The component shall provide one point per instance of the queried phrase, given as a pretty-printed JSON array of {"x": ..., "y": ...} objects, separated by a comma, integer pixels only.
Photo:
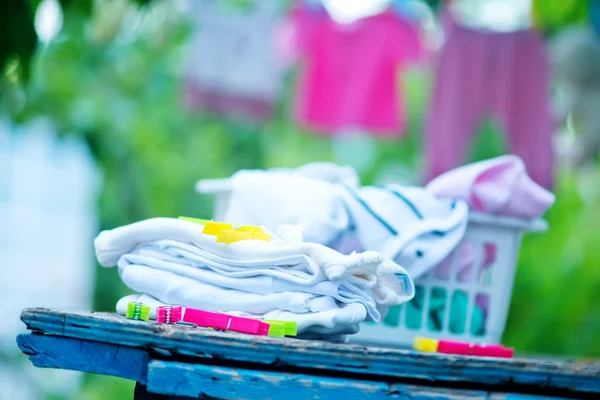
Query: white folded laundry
[
  {"x": 346, "y": 314},
  {"x": 148, "y": 256},
  {"x": 173, "y": 262},
  {"x": 173, "y": 288},
  {"x": 342, "y": 320},
  {"x": 302, "y": 263}
]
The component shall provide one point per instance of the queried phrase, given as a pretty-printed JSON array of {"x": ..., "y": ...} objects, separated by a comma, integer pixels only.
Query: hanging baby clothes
[
  {"x": 232, "y": 69},
  {"x": 349, "y": 71},
  {"x": 502, "y": 73}
]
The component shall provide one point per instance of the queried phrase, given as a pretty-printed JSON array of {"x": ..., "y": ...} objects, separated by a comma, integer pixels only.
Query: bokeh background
[{"x": 95, "y": 133}]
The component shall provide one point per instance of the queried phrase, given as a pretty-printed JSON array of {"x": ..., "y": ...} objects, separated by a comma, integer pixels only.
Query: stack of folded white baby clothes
[{"x": 173, "y": 261}]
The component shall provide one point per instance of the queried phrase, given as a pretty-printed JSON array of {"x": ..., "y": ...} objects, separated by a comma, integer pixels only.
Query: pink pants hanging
[{"x": 480, "y": 74}]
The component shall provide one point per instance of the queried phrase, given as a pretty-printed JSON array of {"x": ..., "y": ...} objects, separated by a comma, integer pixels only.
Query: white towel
[
  {"x": 341, "y": 320},
  {"x": 173, "y": 288},
  {"x": 302, "y": 263},
  {"x": 175, "y": 263},
  {"x": 148, "y": 257}
]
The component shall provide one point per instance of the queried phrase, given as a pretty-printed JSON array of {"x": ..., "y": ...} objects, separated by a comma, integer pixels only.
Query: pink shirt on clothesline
[{"x": 350, "y": 71}]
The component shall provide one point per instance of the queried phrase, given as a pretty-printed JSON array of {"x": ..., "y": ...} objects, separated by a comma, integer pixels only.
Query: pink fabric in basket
[
  {"x": 498, "y": 186},
  {"x": 465, "y": 258}
]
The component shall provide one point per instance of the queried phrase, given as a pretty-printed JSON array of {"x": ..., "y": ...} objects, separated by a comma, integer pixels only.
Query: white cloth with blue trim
[{"x": 407, "y": 224}]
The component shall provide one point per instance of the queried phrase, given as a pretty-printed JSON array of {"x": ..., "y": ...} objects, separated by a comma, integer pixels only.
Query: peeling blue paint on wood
[
  {"x": 176, "y": 378},
  {"x": 82, "y": 355},
  {"x": 387, "y": 363}
]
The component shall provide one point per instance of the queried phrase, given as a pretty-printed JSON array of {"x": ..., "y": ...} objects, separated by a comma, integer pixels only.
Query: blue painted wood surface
[
  {"x": 177, "y": 378},
  {"x": 389, "y": 364},
  {"x": 82, "y": 355},
  {"x": 196, "y": 380}
]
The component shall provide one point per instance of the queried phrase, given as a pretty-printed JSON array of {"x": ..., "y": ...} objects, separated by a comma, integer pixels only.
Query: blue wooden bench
[{"x": 179, "y": 362}]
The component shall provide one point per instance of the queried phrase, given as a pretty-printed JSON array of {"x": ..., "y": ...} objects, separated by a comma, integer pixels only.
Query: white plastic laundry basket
[{"x": 466, "y": 297}]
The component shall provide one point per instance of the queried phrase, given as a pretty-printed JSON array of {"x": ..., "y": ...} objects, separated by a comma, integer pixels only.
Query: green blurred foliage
[
  {"x": 100, "y": 387},
  {"x": 556, "y": 299},
  {"x": 18, "y": 34},
  {"x": 19, "y": 38},
  {"x": 117, "y": 83}
]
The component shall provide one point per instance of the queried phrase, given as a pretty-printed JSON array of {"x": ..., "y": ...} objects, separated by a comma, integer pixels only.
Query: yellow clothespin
[
  {"x": 425, "y": 344},
  {"x": 230, "y": 233},
  {"x": 228, "y": 236},
  {"x": 214, "y": 228},
  {"x": 259, "y": 234}
]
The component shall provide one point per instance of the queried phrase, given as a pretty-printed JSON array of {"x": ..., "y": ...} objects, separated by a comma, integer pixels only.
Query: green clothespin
[
  {"x": 290, "y": 328},
  {"x": 276, "y": 328},
  {"x": 138, "y": 311}
]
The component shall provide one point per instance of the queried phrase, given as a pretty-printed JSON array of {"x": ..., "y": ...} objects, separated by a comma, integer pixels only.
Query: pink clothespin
[
  {"x": 472, "y": 349},
  {"x": 168, "y": 314},
  {"x": 226, "y": 322},
  {"x": 462, "y": 348}
]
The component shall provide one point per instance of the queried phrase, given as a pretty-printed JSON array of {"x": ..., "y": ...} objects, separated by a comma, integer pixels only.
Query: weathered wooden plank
[
  {"x": 196, "y": 380},
  {"x": 383, "y": 364},
  {"x": 87, "y": 356}
]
